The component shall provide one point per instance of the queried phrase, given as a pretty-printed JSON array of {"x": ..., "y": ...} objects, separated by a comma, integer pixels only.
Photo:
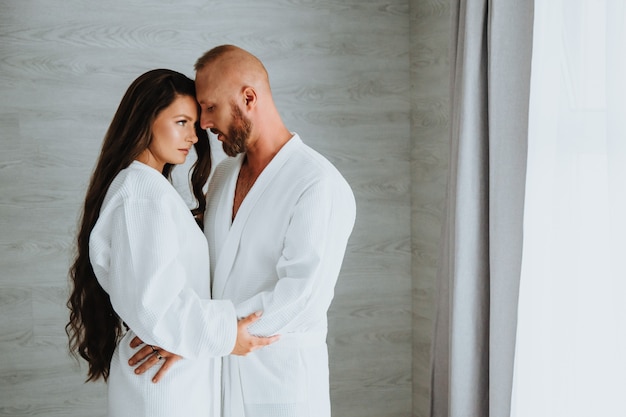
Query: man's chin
[{"x": 229, "y": 151}]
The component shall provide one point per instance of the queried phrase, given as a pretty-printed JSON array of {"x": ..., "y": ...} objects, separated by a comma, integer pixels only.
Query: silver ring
[{"x": 156, "y": 352}]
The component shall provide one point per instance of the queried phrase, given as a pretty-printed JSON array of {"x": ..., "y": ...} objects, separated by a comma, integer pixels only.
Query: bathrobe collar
[{"x": 229, "y": 232}]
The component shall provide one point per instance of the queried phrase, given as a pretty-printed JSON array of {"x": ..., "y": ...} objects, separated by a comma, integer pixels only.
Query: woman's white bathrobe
[
  {"x": 152, "y": 259},
  {"x": 281, "y": 255}
]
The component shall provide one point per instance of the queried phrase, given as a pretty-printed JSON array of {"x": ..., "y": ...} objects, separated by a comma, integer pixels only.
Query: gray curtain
[{"x": 475, "y": 328}]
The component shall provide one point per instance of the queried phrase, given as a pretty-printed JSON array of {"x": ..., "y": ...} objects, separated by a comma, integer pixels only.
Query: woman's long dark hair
[{"x": 94, "y": 328}]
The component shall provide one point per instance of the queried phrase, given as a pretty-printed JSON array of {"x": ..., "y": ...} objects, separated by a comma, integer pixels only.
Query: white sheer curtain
[{"x": 571, "y": 336}]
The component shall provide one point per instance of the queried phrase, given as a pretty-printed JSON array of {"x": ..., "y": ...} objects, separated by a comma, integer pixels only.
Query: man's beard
[{"x": 238, "y": 133}]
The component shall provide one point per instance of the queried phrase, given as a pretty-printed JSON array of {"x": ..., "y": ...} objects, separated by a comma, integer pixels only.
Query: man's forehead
[
  {"x": 213, "y": 87},
  {"x": 204, "y": 88},
  {"x": 201, "y": 80}
]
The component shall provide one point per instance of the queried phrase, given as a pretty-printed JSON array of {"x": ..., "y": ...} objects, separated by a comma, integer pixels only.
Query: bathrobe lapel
[{"x": 229, "y": 241}]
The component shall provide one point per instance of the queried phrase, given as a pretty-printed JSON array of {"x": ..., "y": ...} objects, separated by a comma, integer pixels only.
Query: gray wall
[
  {"x": 430, "y": 37},
  {"x": 363, "y": 82}
]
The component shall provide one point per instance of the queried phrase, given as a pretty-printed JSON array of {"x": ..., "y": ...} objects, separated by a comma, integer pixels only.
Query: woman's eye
[{"x": 182, "y": 122}]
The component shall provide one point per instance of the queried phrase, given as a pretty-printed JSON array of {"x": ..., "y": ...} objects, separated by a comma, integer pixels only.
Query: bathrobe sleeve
[
  {"x": 135, "y": 250},
  {"x": 313, "y": 250}
]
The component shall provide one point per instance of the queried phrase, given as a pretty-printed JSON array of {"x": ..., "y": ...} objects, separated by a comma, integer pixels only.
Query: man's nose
[{"x": 205, "y": 122}]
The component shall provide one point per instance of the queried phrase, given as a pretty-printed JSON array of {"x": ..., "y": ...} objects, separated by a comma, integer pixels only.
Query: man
[{"x": 278, "y": 219}]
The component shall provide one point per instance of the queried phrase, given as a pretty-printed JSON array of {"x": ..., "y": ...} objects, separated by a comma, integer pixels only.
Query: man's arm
[
  {"x": 152, "y": 355},
  {"x": 313, "y": 249}
]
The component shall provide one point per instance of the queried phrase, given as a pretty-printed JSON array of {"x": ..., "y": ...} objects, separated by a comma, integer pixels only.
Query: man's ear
[{"x": 249, "y": 95}]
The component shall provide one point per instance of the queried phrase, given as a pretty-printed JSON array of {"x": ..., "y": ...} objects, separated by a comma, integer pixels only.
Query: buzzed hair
[
  {"x": 231, "y": 54},
  {"x": 212, "y": 55}
]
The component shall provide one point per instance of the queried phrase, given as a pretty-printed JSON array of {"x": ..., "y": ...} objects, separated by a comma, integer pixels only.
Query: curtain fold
[{"x": 474, "y": 340}]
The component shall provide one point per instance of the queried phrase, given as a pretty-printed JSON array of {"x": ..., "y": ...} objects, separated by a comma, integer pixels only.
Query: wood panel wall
[
  {"x": 341, "y": 73},
  {"x": 430, "y": 108}
]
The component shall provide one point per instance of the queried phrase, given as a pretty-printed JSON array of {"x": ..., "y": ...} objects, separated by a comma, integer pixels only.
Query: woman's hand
[{"x": 151, "y": 355}]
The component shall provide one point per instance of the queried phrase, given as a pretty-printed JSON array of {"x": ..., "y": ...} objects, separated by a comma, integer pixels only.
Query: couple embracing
[{"x": 221, "y": 310}]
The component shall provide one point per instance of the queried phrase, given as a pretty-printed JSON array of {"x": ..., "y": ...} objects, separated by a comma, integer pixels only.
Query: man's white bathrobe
[
  {"x": 152, "y": 259},
  {"x": 281, "y": 255}
]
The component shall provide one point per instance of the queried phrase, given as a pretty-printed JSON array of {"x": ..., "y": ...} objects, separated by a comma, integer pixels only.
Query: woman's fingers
[
  {"x": 169, "y": 360},
  {"x": 140, "y": 355}
]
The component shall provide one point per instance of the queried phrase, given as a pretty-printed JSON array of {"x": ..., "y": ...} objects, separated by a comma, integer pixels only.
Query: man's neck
[{"x": 261, "y": 153}]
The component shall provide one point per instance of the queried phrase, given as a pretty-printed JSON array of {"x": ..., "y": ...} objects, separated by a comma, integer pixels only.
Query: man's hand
[
  {"x": 152, "y": 355},
  {"x": 247, "y": 343}
]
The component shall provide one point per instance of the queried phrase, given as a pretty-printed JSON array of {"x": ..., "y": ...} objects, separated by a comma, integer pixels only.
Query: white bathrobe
[
  {"x": 281, "y": 255},
  {"x": 152, "y": 259}
]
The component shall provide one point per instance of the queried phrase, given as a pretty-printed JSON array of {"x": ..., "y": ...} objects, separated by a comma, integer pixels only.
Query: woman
[{"x": 142, "y": 266}]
